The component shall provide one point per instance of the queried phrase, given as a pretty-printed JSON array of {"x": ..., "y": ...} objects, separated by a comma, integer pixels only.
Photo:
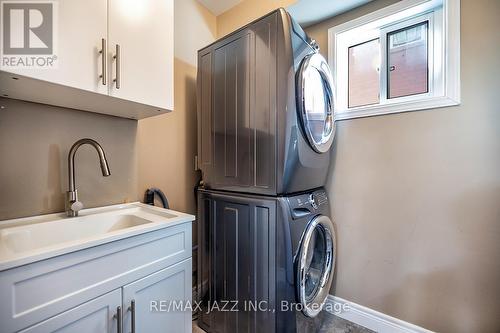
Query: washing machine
[
  {"x": 313, "y": 246},
  {"x": 267, "y": 263},
  {"x": 265, "y": 110}
]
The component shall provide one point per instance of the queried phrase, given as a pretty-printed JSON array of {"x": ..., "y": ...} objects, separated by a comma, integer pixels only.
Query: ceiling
[
  {"x": 218, "y": 7},
  {"x": 305, "y": 12},
  {"x": 309, "y": 12}
]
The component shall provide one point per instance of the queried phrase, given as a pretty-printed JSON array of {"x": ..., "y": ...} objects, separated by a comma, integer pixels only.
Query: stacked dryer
[{"x": 265, "y": 129}]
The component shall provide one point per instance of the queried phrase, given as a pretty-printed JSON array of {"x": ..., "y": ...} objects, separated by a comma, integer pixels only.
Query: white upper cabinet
[
  {"x": 142, "y": 69},
  {"x": 131, "y": 78},
  {"x": 82, "y": 24}
]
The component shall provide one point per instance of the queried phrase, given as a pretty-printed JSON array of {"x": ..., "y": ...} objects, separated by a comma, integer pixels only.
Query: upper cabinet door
[
  {"x": 150, "y": 303},
  {"x": 141, "y": 47},
  {"x": 80, "y": 28}
]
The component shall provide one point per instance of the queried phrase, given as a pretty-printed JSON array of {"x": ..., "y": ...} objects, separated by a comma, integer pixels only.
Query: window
[
  {"x": 363, "y": 75},
  {"x": 408, "y": 61},
  {"x": 404, "y": 57}
]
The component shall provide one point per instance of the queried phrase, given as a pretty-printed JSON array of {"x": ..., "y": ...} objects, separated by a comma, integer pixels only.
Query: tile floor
[
  {"x": 334, "y": 324},
  {"x": 331, "y": 324}
]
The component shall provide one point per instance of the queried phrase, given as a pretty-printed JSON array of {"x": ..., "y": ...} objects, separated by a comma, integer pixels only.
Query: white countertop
[{"x": 91, "y": 228}]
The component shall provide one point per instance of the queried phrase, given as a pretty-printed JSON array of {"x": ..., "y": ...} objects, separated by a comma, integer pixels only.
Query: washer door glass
[
  {"x": 315, "y": 102},
  {"x": 315, "y": 264}
]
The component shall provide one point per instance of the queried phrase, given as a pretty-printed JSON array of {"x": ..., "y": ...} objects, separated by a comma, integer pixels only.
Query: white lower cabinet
[
  {"x": 152, "y": 301},
  {"x": 95, "y": 316},
  {"x": 150, "y": 305},
  {"x": 111, "y": 288}
]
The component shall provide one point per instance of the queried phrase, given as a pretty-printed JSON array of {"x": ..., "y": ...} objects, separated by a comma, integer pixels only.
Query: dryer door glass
[
  {"x": 315, "y": 264},
  {"x": 315, "y": 102}
]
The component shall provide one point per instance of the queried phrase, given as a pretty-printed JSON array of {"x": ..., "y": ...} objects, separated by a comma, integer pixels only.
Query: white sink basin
[{"x": 35, "y": 238}]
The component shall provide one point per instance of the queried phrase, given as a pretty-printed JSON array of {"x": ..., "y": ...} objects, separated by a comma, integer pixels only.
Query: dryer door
[
  {"x": 315, "y": 264},
  {"x": 315, "y": 102}
]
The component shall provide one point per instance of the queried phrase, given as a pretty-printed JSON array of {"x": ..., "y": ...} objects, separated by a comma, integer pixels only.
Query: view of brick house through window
[
  {"x": 407, "y": 66},
  {"x": 407, "y": 61}
]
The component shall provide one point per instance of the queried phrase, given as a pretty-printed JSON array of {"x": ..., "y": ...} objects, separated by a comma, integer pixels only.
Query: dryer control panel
[{"x": 306, "y": 204}]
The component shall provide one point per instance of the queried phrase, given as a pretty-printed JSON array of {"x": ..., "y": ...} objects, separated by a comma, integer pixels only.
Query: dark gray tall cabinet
[
  {"x": 237, "y": 262},
  {"x": 236, "y": 110}
]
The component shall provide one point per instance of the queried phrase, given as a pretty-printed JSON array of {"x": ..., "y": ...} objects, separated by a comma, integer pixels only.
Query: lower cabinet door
[
  {"x": 160, "y": 302},
  {"x": 95, "y": 316}
]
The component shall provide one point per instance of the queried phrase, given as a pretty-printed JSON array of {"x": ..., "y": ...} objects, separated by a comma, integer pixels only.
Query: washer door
[
  {"x": 315, "y": 102},
  {"x": 315, "y": 264}
]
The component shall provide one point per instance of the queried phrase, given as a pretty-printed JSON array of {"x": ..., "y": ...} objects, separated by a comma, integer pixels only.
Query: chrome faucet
[{"x": 73, "y": 206}]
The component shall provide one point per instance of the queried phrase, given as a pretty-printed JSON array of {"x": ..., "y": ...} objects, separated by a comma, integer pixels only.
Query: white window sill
[{"x": 378, "y": 110}]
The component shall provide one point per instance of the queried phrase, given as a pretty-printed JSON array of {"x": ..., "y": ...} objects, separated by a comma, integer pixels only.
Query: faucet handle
[{"x": 76, "y": 206}]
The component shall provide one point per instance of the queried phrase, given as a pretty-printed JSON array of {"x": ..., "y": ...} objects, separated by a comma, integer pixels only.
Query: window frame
[{"x": 443, "y": 55}]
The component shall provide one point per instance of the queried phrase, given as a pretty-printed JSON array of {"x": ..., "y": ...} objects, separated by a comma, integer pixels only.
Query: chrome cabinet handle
[
  {"x": 131, "y": 308},
  {"x": 103, "y": 52},
  {"x": 118, "y": 317},
  {"x": 117, "y": 58}
]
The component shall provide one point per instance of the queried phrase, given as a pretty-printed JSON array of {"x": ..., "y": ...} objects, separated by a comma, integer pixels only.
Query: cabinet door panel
[
  {"x": 145, "y": 32},
  {"x": 240, "y": 254},
  {"x": 81, "y": 26},
  {"x": 233, "y": 146},
  {"x": 95, "y": 316},
  {"x": 153, "y": 295},
  {"x": 237, "y": 104}
]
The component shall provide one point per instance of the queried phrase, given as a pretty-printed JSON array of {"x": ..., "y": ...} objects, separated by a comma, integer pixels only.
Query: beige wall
[
  {"x": 167, "y": 143},
  {"x": 416, "y": 196},
  {"x": 245, "y": 12},
  {"x": 34, "y": 143}
]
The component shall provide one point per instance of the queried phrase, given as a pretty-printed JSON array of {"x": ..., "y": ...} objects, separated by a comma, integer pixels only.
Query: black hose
[{"x": 149, "y": 197}]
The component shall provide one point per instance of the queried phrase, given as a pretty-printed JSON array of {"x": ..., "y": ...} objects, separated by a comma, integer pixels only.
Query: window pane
[
  {"x": 408, "y": 61},
  {"x": 364, "y": 84}
]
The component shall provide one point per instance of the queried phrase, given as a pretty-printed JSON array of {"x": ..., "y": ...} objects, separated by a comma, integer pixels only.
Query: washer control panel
[
  {"x": 305, "y": 204},
  {"x": 320, "y": 198}
]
